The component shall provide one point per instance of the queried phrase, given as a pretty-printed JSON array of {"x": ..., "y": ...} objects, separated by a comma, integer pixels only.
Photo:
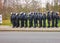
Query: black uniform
[
  {"x": 13, "y": 21},
  {"x": 44, "y": 20},
  {"x": 53, "y": 19},
  {"x": 40, "y": 19},
  {"x": 35, "y": 20},
  {"x": 26, "y": 20},
  {"x": 56, "y": 20},
  {"x": 17, "y": 20},
  {"x": 31, "y": 20},
  {"x": 22, "y": 20},
  {"x": 48, "y": 18}
]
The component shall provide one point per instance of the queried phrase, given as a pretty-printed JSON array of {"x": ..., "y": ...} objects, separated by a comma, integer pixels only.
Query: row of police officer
[{"x": 34, "y": 19}]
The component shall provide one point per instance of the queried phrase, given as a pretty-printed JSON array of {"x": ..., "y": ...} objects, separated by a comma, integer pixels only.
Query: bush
[{"x": 6, "y": 22}]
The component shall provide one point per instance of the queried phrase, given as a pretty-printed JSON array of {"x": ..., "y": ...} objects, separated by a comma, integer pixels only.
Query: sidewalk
[{"x": 9, "y": 28}]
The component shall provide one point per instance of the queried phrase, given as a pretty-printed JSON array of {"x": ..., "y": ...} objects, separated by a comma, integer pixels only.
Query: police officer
[
  {"x": 26, "y": 19},
  {"x": 30, "y": 19},
  {"x": 56, "y": 19},
  {"x": 44, "y": 20},
  {"x": 17, "y": 20},
  {"x": 40, "y": 19},
  {"x": 53, "y": 18},
  {"x": 13, "y": 21},
  {"x": 48, "y": 18},
  {"x": 35, "y": 20},
  {"x": 22, "y": 19}
]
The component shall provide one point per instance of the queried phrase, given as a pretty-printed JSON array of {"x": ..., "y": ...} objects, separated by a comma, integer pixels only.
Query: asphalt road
[{"x": 29, "y": 37}]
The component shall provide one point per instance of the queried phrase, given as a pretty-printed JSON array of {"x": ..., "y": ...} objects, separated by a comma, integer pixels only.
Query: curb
[
  {"x": 10, "y": 29},
  {"x": 29, "y": 30}
]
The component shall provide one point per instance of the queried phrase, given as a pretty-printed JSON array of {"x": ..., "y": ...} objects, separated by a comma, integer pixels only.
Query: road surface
[{"x": 29, "y": 37}]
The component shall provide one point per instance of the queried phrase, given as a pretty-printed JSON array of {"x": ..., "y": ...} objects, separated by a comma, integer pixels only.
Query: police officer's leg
[
  {"x": 48, "y": 23},
  {"x": 34, "y": 24},
  {"x": 18, "y": 23},
  {"x": 29, "y": 23},
  {"x": 25, "y": 23},
  {"x": 39, "y": 23},
  {"x": 56, "y": 23},
  {"x": 43, "y": 23},
  {"x": 13, "y": 24},
  {"x": 52, "y": 23},
  {"x": 21, "y": 22}
]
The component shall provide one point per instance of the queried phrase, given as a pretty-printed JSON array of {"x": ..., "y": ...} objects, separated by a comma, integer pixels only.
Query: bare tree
[
  {"x": 55, "y": 5},
  {"x": 35, "y": 5}
]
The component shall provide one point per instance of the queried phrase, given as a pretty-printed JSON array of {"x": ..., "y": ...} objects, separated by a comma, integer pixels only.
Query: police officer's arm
[{"x": 45, "y": 16}]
